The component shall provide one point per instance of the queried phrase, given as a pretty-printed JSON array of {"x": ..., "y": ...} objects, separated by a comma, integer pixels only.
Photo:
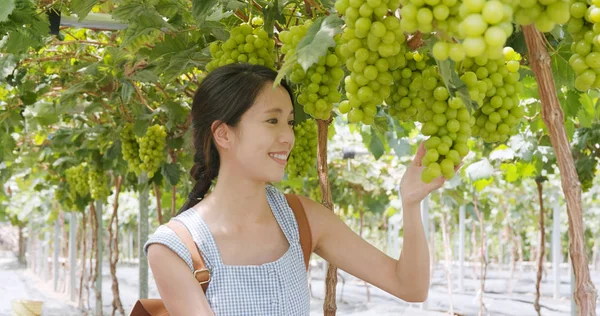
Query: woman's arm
[
  {"x": 407, "y": 277},
  {"x": 179, "y": 290}
]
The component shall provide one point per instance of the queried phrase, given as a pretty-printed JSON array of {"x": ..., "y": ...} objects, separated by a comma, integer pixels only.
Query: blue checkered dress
[{"x": 275, "y": 288}]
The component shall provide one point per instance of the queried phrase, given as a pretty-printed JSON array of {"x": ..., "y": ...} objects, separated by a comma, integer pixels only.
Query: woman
[{"x": 246, "y": 233}]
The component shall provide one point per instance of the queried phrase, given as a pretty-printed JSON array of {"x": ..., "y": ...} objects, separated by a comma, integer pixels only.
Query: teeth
[{"x": 278, "y": 156}]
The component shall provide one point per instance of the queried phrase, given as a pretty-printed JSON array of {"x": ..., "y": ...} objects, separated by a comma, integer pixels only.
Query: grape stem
[{"x": 415, "y": 41}]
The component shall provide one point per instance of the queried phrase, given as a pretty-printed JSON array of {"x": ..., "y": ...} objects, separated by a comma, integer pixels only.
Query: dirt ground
[{"x": 17, "y": 282}]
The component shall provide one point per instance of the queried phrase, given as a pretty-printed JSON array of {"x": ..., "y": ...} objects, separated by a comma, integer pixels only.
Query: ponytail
[{"x": 205, "y": 169}]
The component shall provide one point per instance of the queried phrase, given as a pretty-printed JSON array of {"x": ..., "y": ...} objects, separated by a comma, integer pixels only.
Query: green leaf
[
  {"x": 530, "y": 88},
  {"x": 318, "y": 38},
  {"x": 511, "y": 173},
  {"x": 564, "y": 74},
  {"x": 455, "y": 85},
  {"x": 376, "y": 145},
  {"x": 140, "y": 127},
  {"x": 126, "y": 91},
  {"x": 145, "y": 75},
  {"x": 171, "y": 172},
  {"x": 571, "y": 104},
  {"x": 584, "y": 118},
  {"x": 483, "y": 183},
  {"x": 202, "y": 8},
  {"x": 8, "y": 63},
  {"x": 400, "y": 146},
  {"x": 6, "y": 8},
  {"x": 82, "y": 7}
]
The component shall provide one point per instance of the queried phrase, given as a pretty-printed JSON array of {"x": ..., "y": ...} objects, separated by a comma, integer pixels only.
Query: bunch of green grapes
[
  {"x": 584, "y": 27},
  {"x": 500, "y": 111},
  {"x": 98, "y": 183},
  {"x": 320, "y": 83},
  {"x": 77, "y": 177},
  {"x": 405, "y": 100},
  {"x": 371, "y": 43},
  {"x": 544, "y": 14},
  {"x": 419, "y": 15},
  {"x": 304, "y": 154},
  {"x": 152, "y": 146},
  {"x": 446, "y": 120},
  {"x": 246, "y": 44},
  {"x": 130, "y": 149},
  {"x": 448, "y": 123},
  {"x": 485, "y": 27}
]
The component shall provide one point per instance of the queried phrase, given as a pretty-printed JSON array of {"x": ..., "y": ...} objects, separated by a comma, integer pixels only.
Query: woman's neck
[{"x": 235, "y": 200}]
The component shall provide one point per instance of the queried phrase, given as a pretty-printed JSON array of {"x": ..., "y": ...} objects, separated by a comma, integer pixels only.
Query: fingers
[
  {"x": 419, "y": 155},
  {"x": 456, "y": 168}
]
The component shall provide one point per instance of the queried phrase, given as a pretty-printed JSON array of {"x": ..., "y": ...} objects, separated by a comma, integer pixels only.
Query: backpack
[{"x": 155, "y": 307}]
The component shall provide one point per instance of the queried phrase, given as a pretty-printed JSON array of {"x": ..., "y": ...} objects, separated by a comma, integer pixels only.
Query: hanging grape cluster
[
  {"x": 77, "y": 178},
  {"x": 495, "y": 85},
  {"x": 98, "y": 183},
  {"x": 152, "y": 146},
  {"x": 246, "y": 44},
  {"x": 372, "y": 45},
  {"x": 422, "y": 95},
  {"x": 143, "y": 154},
  {"x": 319, "y": 85},
  {"x": 545, "y": 14},
  {"x": 304, "y": 154},
  {"x": 130, "y": 149},
  {"x": 584, "y": 27},
  {"x": 404, "y": 100}
]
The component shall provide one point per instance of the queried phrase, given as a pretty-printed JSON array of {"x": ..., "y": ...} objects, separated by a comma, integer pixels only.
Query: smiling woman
[{"x": 245, "y": 229}]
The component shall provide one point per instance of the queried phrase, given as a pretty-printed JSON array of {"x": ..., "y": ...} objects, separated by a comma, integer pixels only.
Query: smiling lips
[{"x": 280, "y": 157}]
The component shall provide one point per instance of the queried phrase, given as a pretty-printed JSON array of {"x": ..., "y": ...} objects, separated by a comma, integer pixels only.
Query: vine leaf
[
  {"x": 454, "y": 84},
  {"x": 171, "y": 172},
  {"x": 6, "y": 8},
  {"x": 82, "y": 7},
  {"x": 202, "y": 8},
  {"x": 318, "y": 38}
]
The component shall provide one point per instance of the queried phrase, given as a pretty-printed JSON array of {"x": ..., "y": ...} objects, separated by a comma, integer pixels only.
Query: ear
[{"x": 222, "y": 134}]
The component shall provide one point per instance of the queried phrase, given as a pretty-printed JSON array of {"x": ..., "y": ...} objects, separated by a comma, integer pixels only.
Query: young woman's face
[{"x": 265, "y": 135}]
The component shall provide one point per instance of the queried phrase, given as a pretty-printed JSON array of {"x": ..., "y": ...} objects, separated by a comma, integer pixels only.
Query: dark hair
[{"x": 224, "y": 95}]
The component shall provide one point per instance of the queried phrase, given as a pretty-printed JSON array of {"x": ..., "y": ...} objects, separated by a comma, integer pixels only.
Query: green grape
[
  {"x": 77, "y": 178},
  {"x": 499, "y": 113},
  {"x": 98, "y": 183},
  {"x": 584, "y": 29},
  {"x": 304, "y": 154},
  {"x": 373, "y": 45},
  {"x": 319, "y": 84},
  {"x": 544, "y": 14},
  {"x": 130, "y": 149},
  {"x": 248, "y": 43},
  {"x": 152, "y": 146}
]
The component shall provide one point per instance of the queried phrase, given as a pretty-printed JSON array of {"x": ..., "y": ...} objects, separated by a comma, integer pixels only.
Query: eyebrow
[{"x": 277, "y": 110}]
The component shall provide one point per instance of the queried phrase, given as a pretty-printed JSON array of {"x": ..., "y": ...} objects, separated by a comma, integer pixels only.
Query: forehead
[{"x": 272, "y": 97}]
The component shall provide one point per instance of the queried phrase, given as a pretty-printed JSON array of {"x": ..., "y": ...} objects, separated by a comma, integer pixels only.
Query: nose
[{"x": 287, "y": 136}]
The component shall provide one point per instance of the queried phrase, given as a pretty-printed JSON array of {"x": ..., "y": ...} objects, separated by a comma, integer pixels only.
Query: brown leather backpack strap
[
  {"x": 201, "y": 273},
  {"x": 303, "y": 226}
]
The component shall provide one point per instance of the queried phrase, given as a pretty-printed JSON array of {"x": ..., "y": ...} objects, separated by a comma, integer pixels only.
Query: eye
[
  {"x": 273, "y": 121},
  {"x": 292, "y": 122}
]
